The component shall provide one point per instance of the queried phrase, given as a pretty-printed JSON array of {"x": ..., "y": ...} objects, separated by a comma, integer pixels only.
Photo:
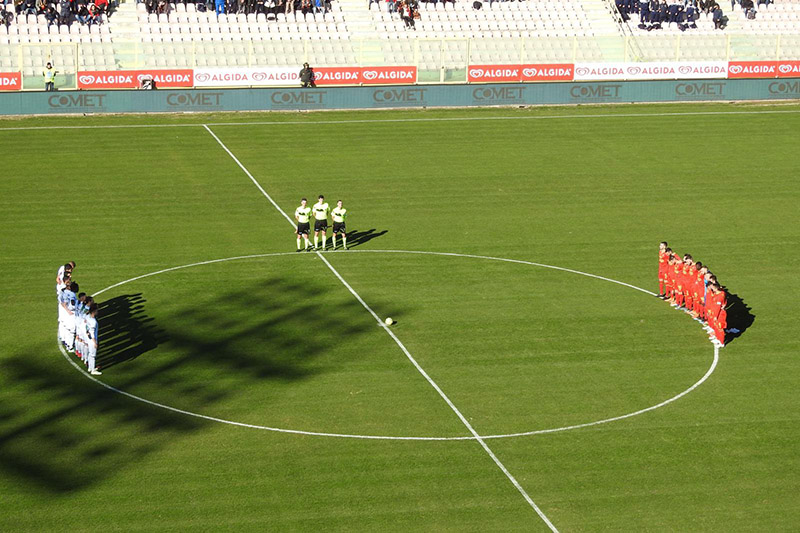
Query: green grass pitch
[{"x": 277, "y": 340}]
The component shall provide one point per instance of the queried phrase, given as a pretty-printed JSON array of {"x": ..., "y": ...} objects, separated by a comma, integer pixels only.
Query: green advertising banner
[{"x": 400, "y": 96}]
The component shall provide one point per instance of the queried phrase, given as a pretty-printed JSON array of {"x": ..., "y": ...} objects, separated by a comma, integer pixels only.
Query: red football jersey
[{"x": 663, "y": 261}]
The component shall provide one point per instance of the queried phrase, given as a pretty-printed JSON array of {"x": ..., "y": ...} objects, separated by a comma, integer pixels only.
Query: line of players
[
  {"x": 77, "y": 319},
  {"x": 320, "y": 212},
  {"x": 692, "y": 287}
]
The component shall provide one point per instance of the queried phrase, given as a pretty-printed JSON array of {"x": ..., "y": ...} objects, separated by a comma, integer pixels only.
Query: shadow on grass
[
  {"x": 61, "y": 433},
  {"x": 357, "y": 238},
  {"x": 126, "y": 331},
  {"x": 739, "y": 317}
]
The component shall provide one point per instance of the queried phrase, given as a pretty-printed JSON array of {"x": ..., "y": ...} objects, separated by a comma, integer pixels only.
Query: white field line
[
  {"x": 241, "y": 424},
  {"x": 247, "y": 172},
  {"x": 186, "y": 266},
  {"x": 407, "y": 353},
  {"x": 388, "y": 437},
  {"x": 400, "y": 120},
  {"x": 444, "y": 397}
]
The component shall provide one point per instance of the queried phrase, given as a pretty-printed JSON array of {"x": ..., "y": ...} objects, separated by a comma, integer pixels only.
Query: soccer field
[{"x": 531, "y": 380}]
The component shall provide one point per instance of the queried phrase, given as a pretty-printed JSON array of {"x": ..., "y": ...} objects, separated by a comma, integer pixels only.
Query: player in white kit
[
  {"x": 80, "y": 316},
  {"x": 63, "y": 275},
  {"x": 92, "y": 330},
  {"x": 67, "y": 301}
]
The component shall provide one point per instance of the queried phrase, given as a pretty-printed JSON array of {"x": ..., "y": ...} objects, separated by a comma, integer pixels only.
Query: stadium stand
[
  {"x": 772, "y": 34},
  {"x": 448, "y": 36}
]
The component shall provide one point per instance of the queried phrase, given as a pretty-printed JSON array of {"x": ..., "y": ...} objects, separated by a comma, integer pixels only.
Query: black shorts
[
  {"x": 320, "y": 225},
  {"x": 338, "y": 227},
  {"x": 303, "y": 228}
]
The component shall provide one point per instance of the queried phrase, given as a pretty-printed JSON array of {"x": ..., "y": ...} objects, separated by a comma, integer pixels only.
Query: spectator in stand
[
  {"x": 370, "y": 2},
  {"x": 83, "y": 14},
  {"x": 691, "y": 14},
  {"x": 29, "y": 7},
  {"x": 717, "y": 17},
  {"x": 644, "y": 12},
  {"x": 407, "y": 14},
  {"x": 305, "y": 7},
  {"x": 94, "y": 15},
  {"x": 672, "y": 10},
  {"x": 289, "y": 6},
  {"x": 51, "y": 15},
  {"x": 102, "y": 6},
  {"x": 219, "y": 6},
  {"x": 652, "y": 10},
  {"x": 749, "y": 9},
  {"x": 663, "y": 12},
  {"x": 734, "y": 2},
  {"x": 391, "y": 6},
  {"x": 66, "y": 12}
]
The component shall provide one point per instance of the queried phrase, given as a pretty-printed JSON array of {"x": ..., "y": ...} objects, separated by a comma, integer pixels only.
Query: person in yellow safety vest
[{"x": 50, "y": 78}]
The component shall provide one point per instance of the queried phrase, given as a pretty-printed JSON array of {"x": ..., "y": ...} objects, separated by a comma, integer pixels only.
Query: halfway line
[{"x": 404, "y": 349}]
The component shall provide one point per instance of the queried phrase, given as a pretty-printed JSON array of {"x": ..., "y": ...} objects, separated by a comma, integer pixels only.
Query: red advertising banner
[
  {"x": 10, "y": 81},
  {"x": 169, "y": 78},
  {"x": 752, "y": 69},
  {"x": 789, "y": 69},
  {"x": 493, "y": 73},
  {"x": 511, "y": 73},
  {"x": 130, "y": 79},
  {"x": 388, "y": 75},
  {"x": 337, "y": 75},
  {"x": 764, "y": 69}
]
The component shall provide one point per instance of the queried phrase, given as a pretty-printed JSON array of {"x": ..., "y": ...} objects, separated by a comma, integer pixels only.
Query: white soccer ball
[{"x": 388, "y": 321}]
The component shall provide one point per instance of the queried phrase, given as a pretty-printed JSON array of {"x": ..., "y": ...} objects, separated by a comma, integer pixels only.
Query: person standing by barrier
[
  {"x": 49, "y": 78},
  {"x": 307, "y": 76}
]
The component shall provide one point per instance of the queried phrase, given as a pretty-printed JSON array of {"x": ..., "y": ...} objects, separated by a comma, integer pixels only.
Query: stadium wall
[{"x": 396, "y": 96}]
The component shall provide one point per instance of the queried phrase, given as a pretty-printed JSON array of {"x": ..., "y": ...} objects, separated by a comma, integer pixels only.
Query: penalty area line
[{"x": 397, "y": 341}]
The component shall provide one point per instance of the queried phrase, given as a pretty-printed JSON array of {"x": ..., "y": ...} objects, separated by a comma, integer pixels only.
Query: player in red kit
[
  {"x": 663, "y": 263},
  {"x": 698, "y": 291},
  {"x": 689, "y": 275},
  {"x": 708, "y": 281},
  {"x": 721, "y": 322},
  {"x": 677, "y": 281},
  {"x": 715, "y": 301}
]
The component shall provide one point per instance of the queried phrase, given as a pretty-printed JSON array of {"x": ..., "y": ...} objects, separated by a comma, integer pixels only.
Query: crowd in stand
[
  {"x": 248, "y": 7},
  {"x": 62, "y": 11},
  {"x": 655, "y": 14},
  {"x": 409, "y": 12},
  {"x": 690, "y": 286},
  {"x": 395, "y": 6}
]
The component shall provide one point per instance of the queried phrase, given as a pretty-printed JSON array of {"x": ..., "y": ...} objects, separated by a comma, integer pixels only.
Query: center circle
[{"x": 388, "y": 437}]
